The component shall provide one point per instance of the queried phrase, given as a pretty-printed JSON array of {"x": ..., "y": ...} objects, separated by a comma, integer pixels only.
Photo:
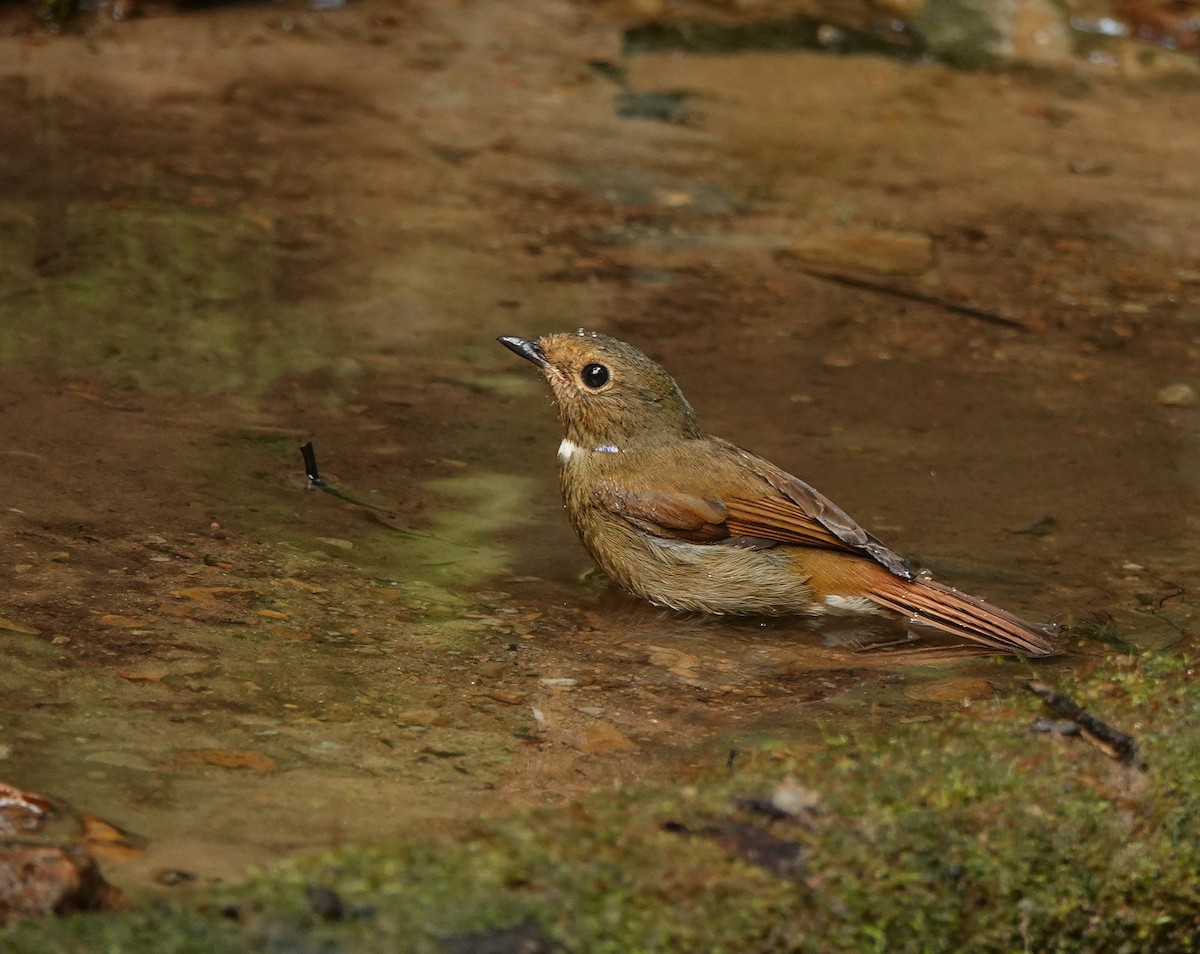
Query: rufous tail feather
[{"x": 947, "y": 609}]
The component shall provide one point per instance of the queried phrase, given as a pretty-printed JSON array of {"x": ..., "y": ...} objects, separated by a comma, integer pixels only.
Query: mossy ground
[{"x": 970, "y": 834}]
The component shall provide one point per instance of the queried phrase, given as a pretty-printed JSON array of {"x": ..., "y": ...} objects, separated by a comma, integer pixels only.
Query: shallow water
[{"x": 217, "y": 240}]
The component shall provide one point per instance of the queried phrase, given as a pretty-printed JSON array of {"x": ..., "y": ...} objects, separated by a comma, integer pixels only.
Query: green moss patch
[
  {"x": 972, "y": 834},
  {"x": 179, "y": 301}
]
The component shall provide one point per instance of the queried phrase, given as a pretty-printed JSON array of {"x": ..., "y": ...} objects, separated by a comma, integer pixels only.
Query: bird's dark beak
[{"x": 529, "y": 350}]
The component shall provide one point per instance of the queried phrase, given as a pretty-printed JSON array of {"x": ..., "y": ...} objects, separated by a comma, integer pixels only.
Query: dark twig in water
[
  {"x": 1176, "y": 589},
  {"x": 314, "y": 480},
  {"x": 1042, "y": 527},
  {"x": 1156, "y": 608},
  {"x": 850, "y": 281},
  {"x": 380, "y": 514},
  {"x": 310, "y": 464},
  {"x": 1112, "y": 742}
]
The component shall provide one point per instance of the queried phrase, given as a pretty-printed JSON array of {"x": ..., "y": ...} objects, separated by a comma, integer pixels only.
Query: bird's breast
[{"x": 709, "y": 578}]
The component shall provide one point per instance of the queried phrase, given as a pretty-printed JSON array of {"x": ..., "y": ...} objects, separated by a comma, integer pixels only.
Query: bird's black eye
[{"x": 594, "y": 375}]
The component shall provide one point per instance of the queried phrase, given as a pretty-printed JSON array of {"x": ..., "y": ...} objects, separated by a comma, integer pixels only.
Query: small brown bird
[{"x": 692, "y": 522}]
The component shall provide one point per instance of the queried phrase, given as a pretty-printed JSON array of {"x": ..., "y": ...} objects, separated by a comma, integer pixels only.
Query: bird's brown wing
[
  {"x": 734, "y": 497},
  {"x": 665, "y": 513},
  {"x": 798, "y": 513}
]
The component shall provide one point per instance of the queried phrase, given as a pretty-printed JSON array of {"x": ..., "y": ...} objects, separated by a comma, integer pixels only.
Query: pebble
[
  {"x": 794, "y": 799},
  {"x": 1055, "y": 726},
  {"x": 837, "y": 361},
  {"x": 1177, "y": 395}
]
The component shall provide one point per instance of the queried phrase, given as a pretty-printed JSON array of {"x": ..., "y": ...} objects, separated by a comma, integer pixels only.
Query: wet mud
[{"x": 950, "y": 301}]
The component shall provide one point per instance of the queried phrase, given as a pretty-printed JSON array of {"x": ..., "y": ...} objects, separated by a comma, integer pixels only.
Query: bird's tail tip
[{"x": 934, "y": 604}]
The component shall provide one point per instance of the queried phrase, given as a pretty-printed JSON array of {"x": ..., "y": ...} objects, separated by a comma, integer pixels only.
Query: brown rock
[{"x": 46, "y": 879}]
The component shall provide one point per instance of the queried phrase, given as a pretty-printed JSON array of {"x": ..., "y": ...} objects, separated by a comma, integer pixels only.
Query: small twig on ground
[
  {"x": 1112, "y": 742},
  {"x": 380, "y": 514},
  {"x": 851, "y": 281},
  {"x": 314, "y": 480}
]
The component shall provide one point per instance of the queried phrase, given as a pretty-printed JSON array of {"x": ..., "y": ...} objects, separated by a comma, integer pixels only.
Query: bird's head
[{"x": 607, "y": 392}]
